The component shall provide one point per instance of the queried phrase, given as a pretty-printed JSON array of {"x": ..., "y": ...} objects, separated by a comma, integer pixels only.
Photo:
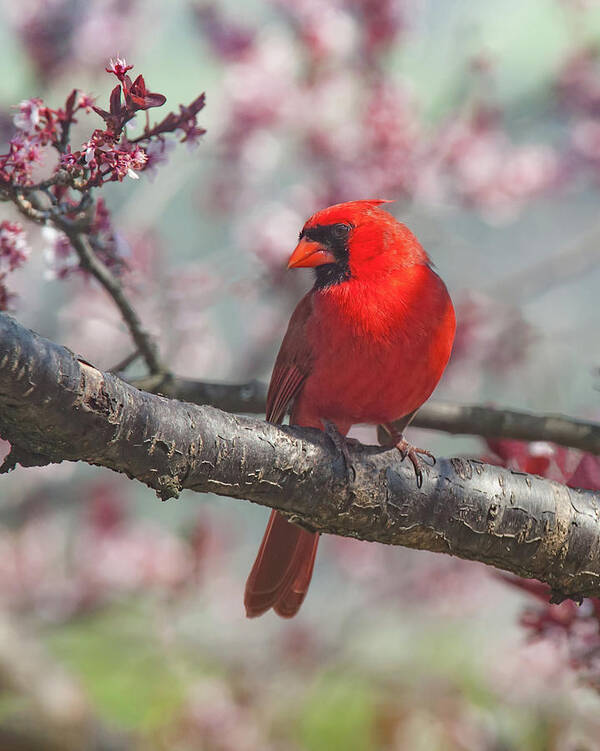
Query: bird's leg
[
  {"x": 341, "y": 443},
  {"x": 406, "y": 449}
]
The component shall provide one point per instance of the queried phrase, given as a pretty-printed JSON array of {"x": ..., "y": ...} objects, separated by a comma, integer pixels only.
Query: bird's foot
[
  {"x": 342, "y": 444},
  {"x": 415, "y": 454}
]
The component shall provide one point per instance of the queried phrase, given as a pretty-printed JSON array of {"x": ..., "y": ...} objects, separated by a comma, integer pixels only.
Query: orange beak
[{"x": 308, "y": 254}]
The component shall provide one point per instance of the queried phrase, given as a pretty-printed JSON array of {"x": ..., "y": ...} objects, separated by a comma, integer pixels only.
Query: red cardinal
[{"x": 367, "y": 344}]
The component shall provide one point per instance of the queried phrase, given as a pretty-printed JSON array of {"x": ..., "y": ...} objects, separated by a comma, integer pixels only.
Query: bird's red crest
[{"x": 351, "y": 211}]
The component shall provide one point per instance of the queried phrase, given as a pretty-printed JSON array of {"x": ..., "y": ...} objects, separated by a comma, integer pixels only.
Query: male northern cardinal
[{"x": 367, "y": 344}]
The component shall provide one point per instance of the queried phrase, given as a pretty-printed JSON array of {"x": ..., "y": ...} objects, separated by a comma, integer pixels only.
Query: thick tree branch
[
  {"x": 54, "y": 407},
  {"x": 488, "y": 422}
]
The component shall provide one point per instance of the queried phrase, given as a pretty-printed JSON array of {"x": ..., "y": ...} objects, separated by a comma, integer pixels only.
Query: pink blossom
[
  {"x": 491, "y": 337},
  {"x": 68, "y": 160},
  {"x": 586, "y": 138},
  {"x": 16, "y": 166},
  {"x": 59, "y": 256},
  {"x": 273, "y": 231},
  {"x": 85, "y": 102},
  {"x": 383, "y": 22},
  {"x": 138, "y": 158},
  {"x": 60, "y": 36},
  {"x": 14, "y": 250},
  {"x": 578, "y": 82},
  {"x": 487, "y": 169},
  {"x": 7, "y": 299},
  {"x": 536, "y": 457},
  {"x": 28, "y": 117},
  {"x": 326, "y": 31},
  {"x": 157, "y": 153},
  {"x": 108, "y": 160},
  {"x": 118, "y": 67},
  {"x": 227, "y": 38},
  {"x": 587, "y": 474}
]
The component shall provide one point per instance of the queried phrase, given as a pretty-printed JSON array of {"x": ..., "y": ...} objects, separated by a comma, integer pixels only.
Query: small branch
[
  {"x": 125, "y": 362},
  {"x": 52, "y": 405},
  {"x": 27, "y": 201},
  {"x": 488, "y": 422},
  {"x": 27, "y": 207},
  {"x": 90, "y": 262}
]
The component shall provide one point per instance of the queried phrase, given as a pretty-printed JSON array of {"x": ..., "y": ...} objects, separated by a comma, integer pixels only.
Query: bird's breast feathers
[{"x": 378, "y": 352}]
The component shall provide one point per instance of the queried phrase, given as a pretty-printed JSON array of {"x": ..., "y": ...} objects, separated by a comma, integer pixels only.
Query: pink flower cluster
[
  {"x": 37, "y": 126},
  {"x": 486, "y": 170},
  {"x": 105, "y": 160},
  {"x": 228, "y": 40},
  {"x": 578, "y": 626},
  {"x": 578, "y": 91},
  {"x": 47, "y": 571},
  {"x": 491, "y": 337},
  {"x": 540, "y": 458},
  {"x": 59, "y": 255},
  {"x": 14, "y": 251},
  {"x": 108, "y": 154}
]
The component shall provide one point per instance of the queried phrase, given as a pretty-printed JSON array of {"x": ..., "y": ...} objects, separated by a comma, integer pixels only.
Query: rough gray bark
[{"x": 55, "y": 407}]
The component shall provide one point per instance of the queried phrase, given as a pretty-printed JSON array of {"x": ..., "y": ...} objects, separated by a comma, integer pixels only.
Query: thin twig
[
  {"x": 90, "y": 262},
  {"x": 27, "y": 207},
  {"x": 125, "y": 362}
]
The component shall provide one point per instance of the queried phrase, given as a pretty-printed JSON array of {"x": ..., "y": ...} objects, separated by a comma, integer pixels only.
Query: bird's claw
[
  {"x": 341, "y": 444},
  {"x": 415, "y": 455}
]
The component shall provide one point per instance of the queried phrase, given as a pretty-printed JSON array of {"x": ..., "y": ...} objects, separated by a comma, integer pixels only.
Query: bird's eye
[{"x": 341, "y": 230}]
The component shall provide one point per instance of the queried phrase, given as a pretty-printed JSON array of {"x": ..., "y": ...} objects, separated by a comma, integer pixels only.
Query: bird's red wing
[
  {"x": 292, "y": 365},
  {"x": 283, "y": 567},
  {"x": 286, "y": 382}
]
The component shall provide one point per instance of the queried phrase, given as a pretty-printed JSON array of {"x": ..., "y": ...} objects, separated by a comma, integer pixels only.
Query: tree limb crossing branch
[
  {"x": 467, "y": 419},
  {"x": 54, "y": 407}
]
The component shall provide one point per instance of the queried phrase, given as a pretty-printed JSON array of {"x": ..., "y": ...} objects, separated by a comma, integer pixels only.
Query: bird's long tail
[{"x": 282, "y": 570}]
